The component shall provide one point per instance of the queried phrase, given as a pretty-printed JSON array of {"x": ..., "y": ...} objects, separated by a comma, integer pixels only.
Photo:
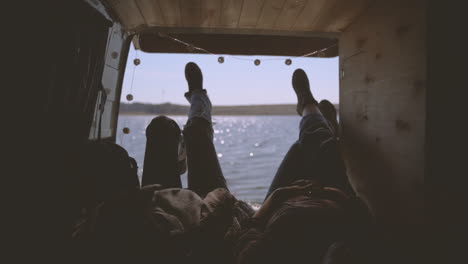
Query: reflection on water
[{"x": 250, "y": 148}]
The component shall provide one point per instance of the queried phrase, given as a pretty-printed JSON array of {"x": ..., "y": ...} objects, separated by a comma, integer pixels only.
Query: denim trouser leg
[
  {"x": 204, "y": 170},
  {"x": 315, "y": 156},
  {"x": 161, "y": 154}
]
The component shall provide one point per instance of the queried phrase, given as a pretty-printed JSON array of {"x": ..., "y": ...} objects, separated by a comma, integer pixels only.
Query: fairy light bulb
[
  {"x": 221, "y": 59},
  {"x": 129, "y": 97},
  {"x": 136, "y": 62},
  {"x": 288, "y": 62},
  {"x": 257, "y": 62}
]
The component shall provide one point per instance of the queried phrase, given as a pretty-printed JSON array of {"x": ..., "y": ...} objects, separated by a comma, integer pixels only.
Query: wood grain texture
[
  {"x": 151, "y": 12},
  {"x": 210, "y": 13},
  {"x": 250, "y": 13},
  {"x": 128, "y": 13},
  {"x": 289, "y": 14},
  {"x": 270, "y": 12},
  {"x": 312, "y": 11},
  {"x": 282, "y": 15},
  {"x": 330, "y": 16},
  {"x": 171, "y": 12},
  {"x": 230, "y": 13},
  {"x": 384, "y": 147},
  {"x": 191, "y": 13}
]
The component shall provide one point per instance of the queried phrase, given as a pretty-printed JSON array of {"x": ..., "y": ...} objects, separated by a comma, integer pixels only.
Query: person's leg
[
  {"x": 328, "y": 110},
  {"x": 315, "y": 155},
  {"x": 204, "y": 170},
  {"x": 161, "y": 155}
]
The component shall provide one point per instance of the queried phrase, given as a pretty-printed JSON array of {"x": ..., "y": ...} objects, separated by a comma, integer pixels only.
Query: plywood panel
[
  {"x": 382, "y": 110},
  {"x": 210, "y": 13},
  {"x": 250, "y": 13},
  {"x": 191, "y": 12},
  {"x": 171, "y": 12},
  {"x": 230, "y": 12},
  {"x": 298, "y": 15},
  {"x": 128, "y": 13},
  {"x": 339, "y": 15},
  {"x": 290, "y": 12},
  {"x": 329, "y": 16},
  {"x": 270, "y": 12},
  {"x": 311, "y": 12},
  {"x": 151, "y": 12}
]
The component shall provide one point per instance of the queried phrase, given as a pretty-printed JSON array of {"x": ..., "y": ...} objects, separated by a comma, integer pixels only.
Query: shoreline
[
  {"x": 134, "y": 109},
  {"x": 179, "y": 114}
]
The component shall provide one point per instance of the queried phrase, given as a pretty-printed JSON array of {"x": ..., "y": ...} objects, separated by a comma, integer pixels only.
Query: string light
[
  {"x": 190, "y": 47},
  {"x": 129, "y": 97}
]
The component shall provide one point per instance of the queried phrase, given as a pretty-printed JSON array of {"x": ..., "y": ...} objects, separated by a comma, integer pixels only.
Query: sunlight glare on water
[{"x": 250, "y": 148}]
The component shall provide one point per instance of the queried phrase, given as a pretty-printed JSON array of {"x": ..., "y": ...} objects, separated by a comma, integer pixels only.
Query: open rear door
[{"x": 107, "y": 106}]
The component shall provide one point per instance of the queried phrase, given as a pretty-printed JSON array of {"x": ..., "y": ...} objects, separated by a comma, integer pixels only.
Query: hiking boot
[
  {"x": 329, "y": 112},
  {"x": 194, "y": 78},
  {"x": 300, "y": 83}
]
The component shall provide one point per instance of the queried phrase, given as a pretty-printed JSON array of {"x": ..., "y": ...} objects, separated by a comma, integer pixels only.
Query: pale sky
[{"x": 160, "y": 78}]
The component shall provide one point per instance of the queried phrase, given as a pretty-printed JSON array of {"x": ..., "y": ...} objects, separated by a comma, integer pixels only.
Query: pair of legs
[
  {"x": 314, "y": 156},
  {"x": 162, "y": 166}
]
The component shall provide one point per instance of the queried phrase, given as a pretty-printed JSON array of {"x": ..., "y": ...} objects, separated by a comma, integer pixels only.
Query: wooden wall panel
[{"x": 382, "y": 111}]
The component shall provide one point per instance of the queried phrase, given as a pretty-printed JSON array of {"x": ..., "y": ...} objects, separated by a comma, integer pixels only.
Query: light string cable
[{"x": 191, "y": 47}]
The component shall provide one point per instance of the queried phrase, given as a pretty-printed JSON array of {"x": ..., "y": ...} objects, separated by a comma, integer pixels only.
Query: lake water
[{"x": 250, "y": 148}]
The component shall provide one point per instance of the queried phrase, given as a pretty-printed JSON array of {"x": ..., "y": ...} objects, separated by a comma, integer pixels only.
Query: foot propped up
[
  {"x": 300, "y": 83},
  {"x": 194, "y": 78}
]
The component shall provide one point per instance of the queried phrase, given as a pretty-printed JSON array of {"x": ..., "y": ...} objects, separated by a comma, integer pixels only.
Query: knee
[{"x": 162, "y": 125}]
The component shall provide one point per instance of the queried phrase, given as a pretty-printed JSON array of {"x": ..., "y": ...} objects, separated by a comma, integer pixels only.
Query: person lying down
[{"x": 311, "y": 213}]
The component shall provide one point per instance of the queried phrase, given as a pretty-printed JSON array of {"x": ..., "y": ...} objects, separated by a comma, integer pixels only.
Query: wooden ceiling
[
  {"x": 291, "y": 15},
  {"x": 300, "y": 18}
]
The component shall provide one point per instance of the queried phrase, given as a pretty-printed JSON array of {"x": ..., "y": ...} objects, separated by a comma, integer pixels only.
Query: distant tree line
[{"x": 175, "y": 109}]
